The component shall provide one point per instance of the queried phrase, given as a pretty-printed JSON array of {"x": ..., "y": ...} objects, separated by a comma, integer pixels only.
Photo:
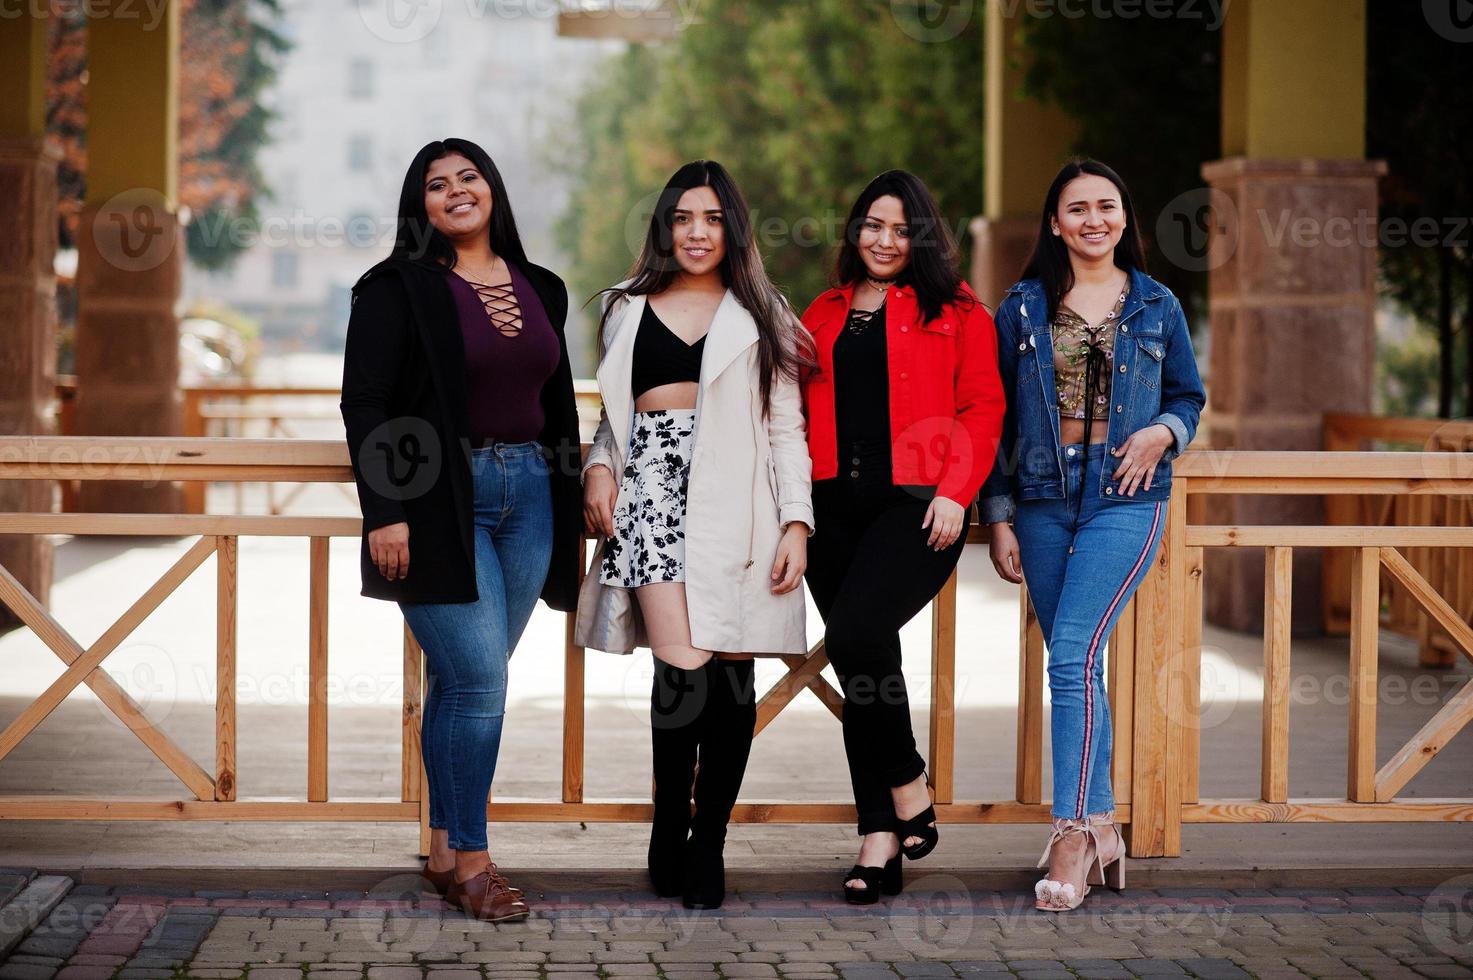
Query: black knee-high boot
[
  {"x": 726, "y": 742},
  {"x": 677, "y": 704}
]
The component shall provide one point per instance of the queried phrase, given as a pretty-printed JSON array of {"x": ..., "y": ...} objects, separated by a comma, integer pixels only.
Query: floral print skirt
[{"x": 649, "y": 516}]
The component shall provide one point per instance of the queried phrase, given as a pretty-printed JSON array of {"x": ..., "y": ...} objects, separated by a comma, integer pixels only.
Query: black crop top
[{"x": 661, "y": 357}]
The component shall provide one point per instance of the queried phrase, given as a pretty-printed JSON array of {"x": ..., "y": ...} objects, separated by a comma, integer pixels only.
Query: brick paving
[{"x": 936, "y": 929}]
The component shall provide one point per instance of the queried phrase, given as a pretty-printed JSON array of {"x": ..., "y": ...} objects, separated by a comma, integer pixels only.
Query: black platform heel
[
  {"x": 918, "y": 826},
  {"x": 888, "y": 880}
]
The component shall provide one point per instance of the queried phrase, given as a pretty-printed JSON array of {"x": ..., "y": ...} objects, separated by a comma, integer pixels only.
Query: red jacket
[{"x": 946, "y": 400}]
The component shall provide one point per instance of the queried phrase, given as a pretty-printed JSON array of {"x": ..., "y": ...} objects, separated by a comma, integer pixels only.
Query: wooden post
[
  {"x": 573, "y": 694},
  {"x": 943, "y": 691},
  {"x": 411, "y": 770},
  {"x": 1278, "y": 580},
  {"x": 226, "y": 546},
  {"x": 1156, "y": 742},
  {"x": 1191, "y": 678},
  {"x": 317, "y": 672},
  {"x": 1029, "y": 788},
  {"x": 1365, "y": 624}
]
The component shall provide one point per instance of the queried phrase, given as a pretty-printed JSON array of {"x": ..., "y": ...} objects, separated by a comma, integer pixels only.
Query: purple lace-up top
[{"x": 510, "y": 352}]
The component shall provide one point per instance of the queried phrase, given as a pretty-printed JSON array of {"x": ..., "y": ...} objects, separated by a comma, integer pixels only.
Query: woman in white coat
[{"x": 699, "y": 481}]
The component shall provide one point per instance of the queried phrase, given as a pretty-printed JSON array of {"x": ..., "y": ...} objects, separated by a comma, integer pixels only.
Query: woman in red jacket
[{"x": 904, "y": 414}]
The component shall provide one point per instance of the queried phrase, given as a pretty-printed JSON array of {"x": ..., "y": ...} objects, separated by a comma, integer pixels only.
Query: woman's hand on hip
[
  {"x": 1004, "y": 552},
  {"x": 947, "y": 519},
  {"x": 388, "y": 546},
  {"x": 791, "y": 560},
  {"x": 1139, "y": 456},
  {"x": 600, "y": 492}
]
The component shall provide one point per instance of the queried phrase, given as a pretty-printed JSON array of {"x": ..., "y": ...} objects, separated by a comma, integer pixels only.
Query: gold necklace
[{"x": 481, "y": 281}]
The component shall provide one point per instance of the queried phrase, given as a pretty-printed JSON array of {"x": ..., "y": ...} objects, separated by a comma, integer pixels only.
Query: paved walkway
[{"x": 936, "y": 928}]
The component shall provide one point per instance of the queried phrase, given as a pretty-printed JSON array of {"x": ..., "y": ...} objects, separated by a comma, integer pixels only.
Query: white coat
[{"x": 749, "y": 478}]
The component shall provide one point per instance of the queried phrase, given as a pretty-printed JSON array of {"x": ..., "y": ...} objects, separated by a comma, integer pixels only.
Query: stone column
[
  {"x": 27, "y": 342},
  {"x": 27, "y": 285},
  {"x": 130, "y": 245},
  {"x": 1293, "y": 337},
  {"x": 1292, "y": 281}
]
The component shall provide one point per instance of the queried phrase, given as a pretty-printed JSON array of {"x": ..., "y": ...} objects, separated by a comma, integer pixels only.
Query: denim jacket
[{"x": 1155, "y": 380}]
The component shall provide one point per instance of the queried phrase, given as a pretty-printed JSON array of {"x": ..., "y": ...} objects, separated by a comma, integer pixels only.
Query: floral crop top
[{"x": 1084, "y": 357}]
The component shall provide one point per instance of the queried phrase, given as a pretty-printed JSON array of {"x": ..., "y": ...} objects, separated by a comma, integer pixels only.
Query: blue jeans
[
  {"x": 1078, "y": 596},
  {"x": 467, "y": 644}
]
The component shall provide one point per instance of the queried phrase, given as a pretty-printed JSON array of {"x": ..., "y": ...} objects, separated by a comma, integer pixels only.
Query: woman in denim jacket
[{"x": 1103, "y": 392}]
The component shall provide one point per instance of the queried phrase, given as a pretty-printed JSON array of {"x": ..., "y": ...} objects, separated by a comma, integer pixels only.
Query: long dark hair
[
  {"x": 1050, "y": 264},
  {"x": 416, "y": 240},
  {"x": 783, "y": 346},
  {"x": 932, "y": 269}
]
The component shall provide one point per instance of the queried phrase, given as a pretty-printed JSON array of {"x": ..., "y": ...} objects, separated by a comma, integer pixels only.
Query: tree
[
  {"x": 804, "y": 103},
  {"x": 1145, "y": 93},
  {"x": 1419, "y": 119},
  {"x": 227, "y": 58}
]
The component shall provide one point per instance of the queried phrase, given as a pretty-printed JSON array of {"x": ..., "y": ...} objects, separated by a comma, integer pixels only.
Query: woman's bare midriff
[
  {"x": 681, "y": 394},
  {"x": 1071, "y": 431}
]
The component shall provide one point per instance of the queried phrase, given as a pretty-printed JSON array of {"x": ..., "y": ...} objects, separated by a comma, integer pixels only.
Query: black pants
[{"x": 870, "y": 571}]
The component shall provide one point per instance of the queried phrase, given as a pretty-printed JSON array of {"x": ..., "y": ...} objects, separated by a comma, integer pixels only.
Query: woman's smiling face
[
  {"x": 698, "y": 231},
  {"x": 884, "y": 238},
  {"x": 1090, "y": 218},
  {"x": 457, "y": 197}
]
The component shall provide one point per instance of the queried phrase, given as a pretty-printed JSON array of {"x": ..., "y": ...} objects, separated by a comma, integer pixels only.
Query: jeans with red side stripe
[{"x": 1081, "y": 570}]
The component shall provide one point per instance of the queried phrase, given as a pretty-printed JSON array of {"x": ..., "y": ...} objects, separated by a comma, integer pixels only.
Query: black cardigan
[{"x": 404, "y": 405}]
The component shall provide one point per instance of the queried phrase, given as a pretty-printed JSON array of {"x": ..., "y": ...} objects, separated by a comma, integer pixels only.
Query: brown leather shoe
[
  {"x": 435, "y": 882},
  {"x": 489, "y": 898},
  {"x": 439, "y": 882}
]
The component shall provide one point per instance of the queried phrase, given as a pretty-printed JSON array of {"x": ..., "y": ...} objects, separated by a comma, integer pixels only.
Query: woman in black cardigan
[{"x": 463, "y": 434}]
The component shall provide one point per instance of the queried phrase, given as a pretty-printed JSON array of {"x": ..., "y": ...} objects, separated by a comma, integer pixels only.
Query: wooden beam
[
  {"x": 1029, "y": 773},
  {"x": 1450, "y": 719},
  {"x": 1278, "y": 584},
  {"x": 573, "y": 700},
  {"x": 1428, "y": 598},
  {"x": 317, "y": 676},
  {"x": 1328, "y": 811},
  {"x": 227, "y": 549},
  {"x": 120, "y": 702},
  {"x": 1365, "y": 625},
  {"x": 1299, "y": 536},
  {"x": 943, "y": 691},
  {"x": 81, "y": 665}
]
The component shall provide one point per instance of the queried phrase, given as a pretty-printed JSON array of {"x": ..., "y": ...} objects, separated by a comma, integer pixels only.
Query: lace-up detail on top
[{"x": 500, "y": 303}]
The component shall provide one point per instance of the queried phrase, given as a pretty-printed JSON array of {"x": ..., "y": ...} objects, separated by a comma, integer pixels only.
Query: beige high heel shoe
[{"x": 1062, "y": 896}]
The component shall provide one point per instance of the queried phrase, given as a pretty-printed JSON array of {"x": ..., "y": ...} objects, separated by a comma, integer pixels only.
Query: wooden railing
[
  {"x": 1449, "y": 571},
  {"x": 1154, "y": 663}
]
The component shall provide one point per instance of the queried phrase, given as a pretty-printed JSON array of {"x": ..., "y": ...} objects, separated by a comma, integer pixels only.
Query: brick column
[
  {"x": 130, "y": 262},
  {"x": 1292, "y": 293},
  {"x": 27, "y": 341}
]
